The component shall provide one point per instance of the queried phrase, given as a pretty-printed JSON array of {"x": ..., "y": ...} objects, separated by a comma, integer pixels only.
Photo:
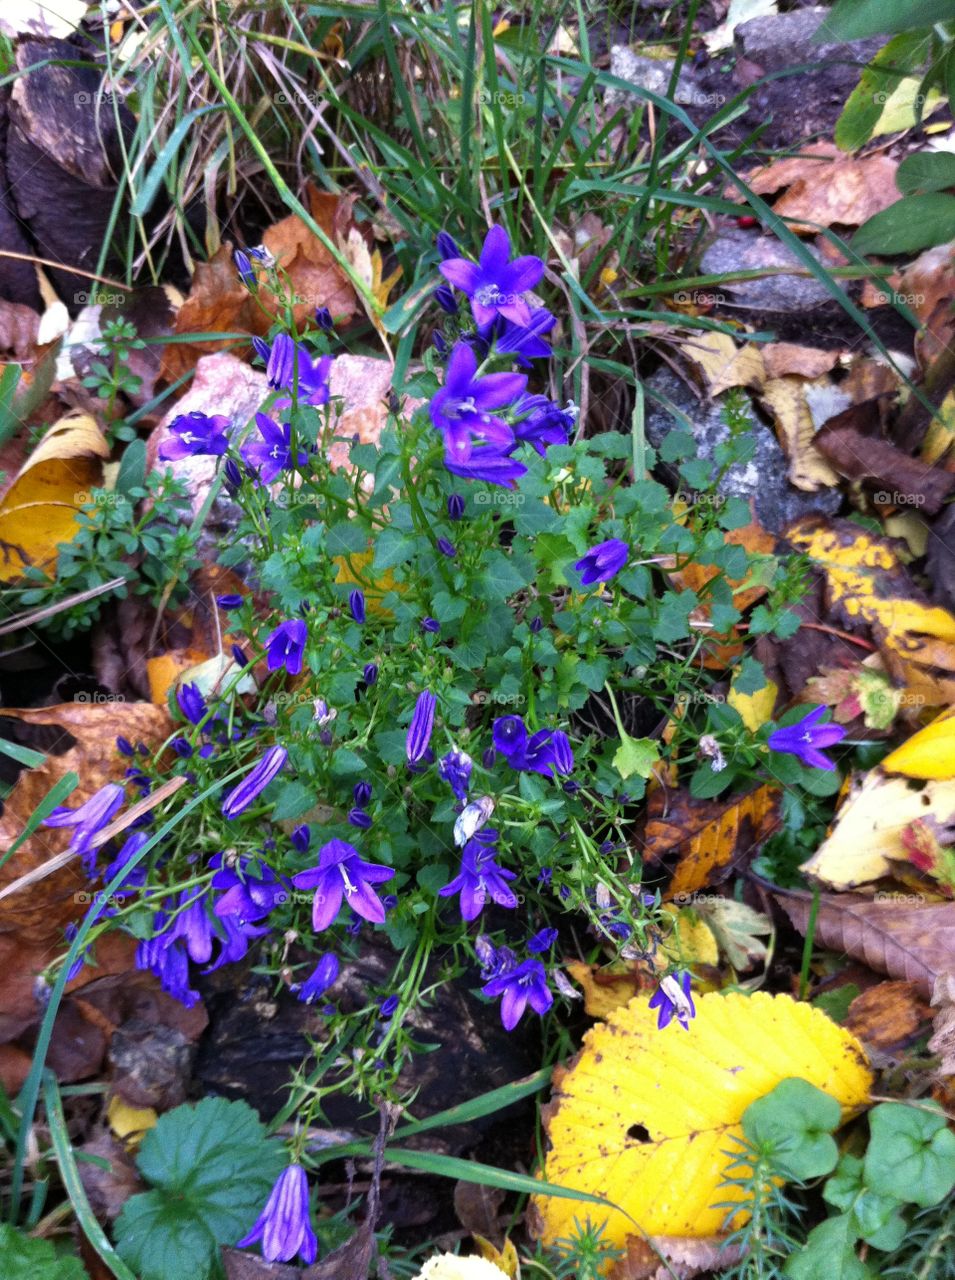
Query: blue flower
[
  {"x": 255, "y": 782},
  {"x": 323, "y": 318},
  {"x": 191, "y": 703},
  {"x": 461, "y": 410},
  {"x": 232, "y": 600},
  {"x": 244, "y": 268},
  {"x": 446, "y": 246},
  {"x": 370, "y": 673},
  {"x": 249, "y": 890},
  {"x": 87, "y": 819},
  {"x": 124, "y": 746},
  {"x": 283, "y": 1226},
  {"x": 388, "y": 1006},
  {"x": 447, "y": 548},
  {"x": 191, "y": 924},
  {"x": 471, "y": 819},
  {"x": 524, "y": 341},
  {"x": 359, "y": 818},
  {"x": 806, "y": 738},
  {"x": 131, "y": 846},
  {"x": 547, "y": 752},
  {"x": 455, "y": 769},
  {"x": 421, "y": 727},
  {"x": 444, "y": 297},
  {"x": 671, "y": 997},
  {"x": 488, "y": 464},
  {"x": 431, "y": 625},
  {"x": 236, "y": 942},
  {"x": 543, "y": 423},
  {"x": 290, "y": 366},
  {"x": 267, "y": 457},
  {"x": 480, "y": 877},
  {"x": 602, "y": 562},
  {"x": 301, "y": 838},
  {"x": 320, "y": 979},
  {"x": 170, "y": 965},
  {"x": 286, "y": 646},
  {"x": 542, "y": 941},
  {"x": 510, "y": 736},
  {"x": 342, "y": 875},
  {"x": 361, "y": 794},
  {"x": 195, "y": 435},
  {"x": 356, "y": 603},
  {"x": 455, "y": 506},
  {"x": 519, "y": 987},
  {"x": 439, "y": 342},
  {"x": 495, "y": 284}
]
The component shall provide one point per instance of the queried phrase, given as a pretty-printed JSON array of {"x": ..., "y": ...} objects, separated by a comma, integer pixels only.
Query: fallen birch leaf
[
  {"x": 669, "y": 1257},
  {"x": 754, "y": 709},
  {"x": 783, "y": 358},
  {"x": 737, "y": 929},
  {"x": 647, "y": 1119},
  {"x": 867, "y": 834},
  {"x": 930, "y": 753},
  {"x": 448, "y": 1266},
  {"x": 912, "y": 941},
  {"x": 40, "y": 507}
]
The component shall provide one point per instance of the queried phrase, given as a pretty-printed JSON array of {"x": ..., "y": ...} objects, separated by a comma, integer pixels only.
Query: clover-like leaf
[
  {"x": 793, "y": 1124},
  {"x": 911, "y": 1153},
  {"x": 25, "y": 1258}
]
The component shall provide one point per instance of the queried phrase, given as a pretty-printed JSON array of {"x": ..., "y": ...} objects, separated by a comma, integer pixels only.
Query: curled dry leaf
[
  {"x": 866, "y": 585},
  {"x": 39, "y": 509},
  {"x": 901, "y": 935},
  {"x": 869, "y": 829},
  {"x": 79, "y": 737},
  {"x": 825, "y": 187},
  {"x": 712, "y": 834},
  {"x": 647, "y": 1120},
  {"x": 783, "y": 358},
  {"x": 669, "y": 1257},
  {"x": 943, "y": 1037},
  {"x": 607, "y": 988},
  {"x": 888, "y": 1016},
  {"x": 786, "y": 401},
  {"x": 723, "y": 363}
]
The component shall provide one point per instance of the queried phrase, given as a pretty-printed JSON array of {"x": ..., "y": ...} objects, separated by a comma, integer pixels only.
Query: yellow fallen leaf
[
  {"x": 129, "y": 1123},
  {"x": 687, "y": 1091},
  {"x": 723, "y": 363},
  {"x": 40, "y": 508},
  {"x": 785, "y": 400},
  {"x": 867, "y": 834},
  {"x": 607, "y": 988},
  {"x": 506, "y": 1258},
  {"x": 692, "y": 942},
  {"x": 754, "y": 709},
  {"x": 900, "y": 112},
  {"x": 930, "y": 753},
  {"x": 940, "y": 432},
  {"x": 356, "y": 569}
]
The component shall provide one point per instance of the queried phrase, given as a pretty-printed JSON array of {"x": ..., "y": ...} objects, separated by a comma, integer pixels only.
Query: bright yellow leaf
[
  {"x": 867, "y": 834},
  {"x": 754, "y": 709},
  {"x": 606, "y": 987},
  {"x": 692, "y": 942},
  {"x": 930, "y": 753},
  {"x": 129, "y": 1123},
  {"x": 40, "y": 509},
  {"x": 356, "y": 569},
  {"x": 687, "y": 1090},
  {"x": 506, "y": 1258}
]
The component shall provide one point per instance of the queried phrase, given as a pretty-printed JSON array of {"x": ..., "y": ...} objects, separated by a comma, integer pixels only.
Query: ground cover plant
[{"x": 478, "y": 642}]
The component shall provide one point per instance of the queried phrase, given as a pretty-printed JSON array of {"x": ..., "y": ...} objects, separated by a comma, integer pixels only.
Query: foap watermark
[
  {"x": 699, "y": 298},
  {"x": 101, "y": 99},
  {"x": 99, "y": 298},
  {"x": 96, "y": 699},
  {"x": 893, "y": 498},
  {"x": 499, "y": 498},
  {"x": 98, "y": 498},
  {"x": 501, "y": 97},
  {"x": 293, "y": 96},
  {"x": 498, "y": 699}
]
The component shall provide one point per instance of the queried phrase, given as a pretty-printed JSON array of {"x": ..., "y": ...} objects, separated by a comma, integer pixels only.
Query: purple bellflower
[
  {"x": 249, "y": 890},
  {"x": 194, "y": 435},
  {"x": 471, "y": 819},
  {"x": 671, "y": 997},
  {"x": 524, "y": 342},
  {"x": 806, "y": 738},
  {"x": 480, "y": 877},
  {"x": 290, "y": 365},
  {"x": 286, "y": 645},
  {"x": 495, "y": 284},
  {"x": 455, "y": 769},
  {"x": 544, "y": 423},
  {"x": 602, "y": 562},
  {"x": 488, "y": 464},
  {"x": 421, "y": 727},
  {"x": 462, "y": 409},
  {"x": 192, "y": 925},
  {"x": 519, "y": 987},
  {"x": 255, "y": 782},
  {"x": 273, "y": 453},
  {"x": 341, "y": 875},
  {"x": 283, "y": 1226},
  {"x": 191, "y": 703},
  {"x": 169, "y": 962},
  {"x": 356, "y": 604},
  {"x": 320, "y": 979},
  {"x": 88, "y": 818}
]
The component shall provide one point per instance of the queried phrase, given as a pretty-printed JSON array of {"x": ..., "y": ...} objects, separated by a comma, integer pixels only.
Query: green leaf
[
  {"x": 926, "y": 171},
  {"x": 212, "y": 1168},
  {"x": 293, "y": 799},
  {"x": 27, "y": 1259},
  {"x": 346, "y": 538},
  {"x": 878, "y": 81},
  {"x": 856, "y": 19},
  {"x": 828, "y": 1254},
  {"x": 636, "y": 755},
  {"x": 132, "y": 467},
  {"x": 911, "y": 1153},
  {"x": 793, "y": 1124},
  {"x": 909, "y": 225}
]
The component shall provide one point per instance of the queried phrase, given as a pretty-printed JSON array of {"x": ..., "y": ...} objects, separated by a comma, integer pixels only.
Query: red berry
[{"x": 746, "y": 220}]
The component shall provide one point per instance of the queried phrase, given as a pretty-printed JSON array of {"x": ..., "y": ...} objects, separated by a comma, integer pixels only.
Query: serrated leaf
[
  {"x": 212, "y": 1168},
  {"x": 687, "y": 1092},
  {"x": 636, "y": 755},
  {"x": 25, "y": 1258}
]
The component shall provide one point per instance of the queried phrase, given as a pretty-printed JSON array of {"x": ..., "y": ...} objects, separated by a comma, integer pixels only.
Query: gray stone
[
  {"x": 743, "y": 250},
  {"x": 763, "y": 479},
  {"x": 782, "y": 40},
  {"x": 649, "y": 73}
]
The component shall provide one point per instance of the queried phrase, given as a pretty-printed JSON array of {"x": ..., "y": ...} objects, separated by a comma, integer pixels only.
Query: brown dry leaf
[
  {"x": 723, "y": 363},
  {"x": 910, "y": 940},
  {"x": 713, "y": 835},
  {"x": 607, "y": 988},
  {"x": 666, "y": 1257},
  {"x": 888, "y": 1016},
  {"x": 78, "y": 737},
  {"x": 19, "y": 326},
  {"x": 781, "y": 359},
  {"x": 927, "y": 286},
  {"x": 785, "y": 399},
  {"x": 478, "y": 1208},
  {"x": 943, "y": 1038},
  {"x": 39, "y": 507},
  {"x": 866, "y": 584},
  {"x": 828, "y": 188},
  {"x": 218, "y": 302},
  {"x": 108, "y": 1188}
]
